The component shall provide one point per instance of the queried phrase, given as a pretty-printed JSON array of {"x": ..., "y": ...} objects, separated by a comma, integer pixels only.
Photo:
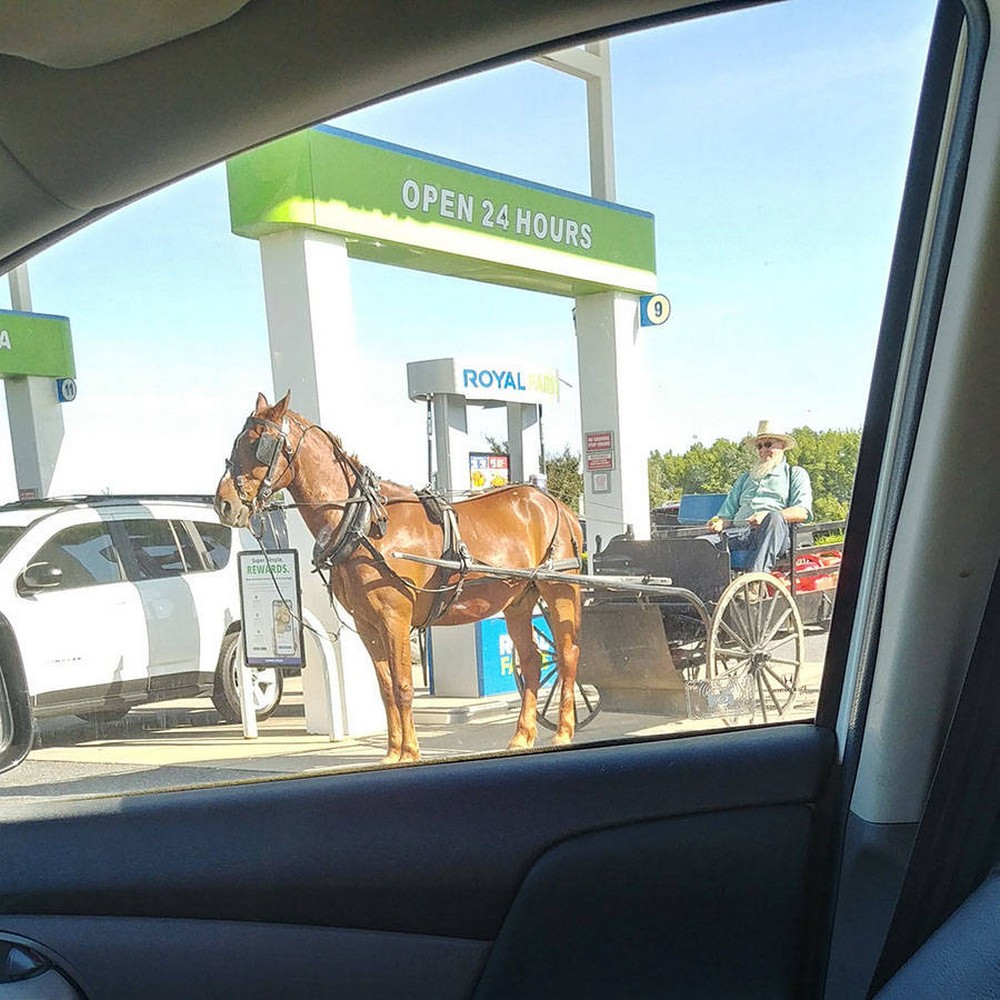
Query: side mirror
[
  {"x": 40, "y": 576},
  {"x": 17, "y": 725}
]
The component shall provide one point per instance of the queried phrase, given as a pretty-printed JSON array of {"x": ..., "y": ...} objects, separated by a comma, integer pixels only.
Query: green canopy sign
[
  {"x": 400, "y": 206},
  {"x": 35, "y": 344}
]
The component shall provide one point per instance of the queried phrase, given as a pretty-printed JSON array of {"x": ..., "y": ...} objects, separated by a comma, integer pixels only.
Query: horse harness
[{"x": 453, "y": 549}]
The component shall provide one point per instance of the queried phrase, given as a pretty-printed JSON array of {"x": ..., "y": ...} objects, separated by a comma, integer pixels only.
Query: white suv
[{"x": 116, "y": 601}]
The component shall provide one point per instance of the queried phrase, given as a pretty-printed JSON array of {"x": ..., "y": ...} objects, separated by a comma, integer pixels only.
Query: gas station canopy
[{"x": 395, "y": 205}]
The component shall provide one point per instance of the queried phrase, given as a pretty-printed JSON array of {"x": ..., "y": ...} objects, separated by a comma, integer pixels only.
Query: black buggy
[{"x": 696, "y": 636}]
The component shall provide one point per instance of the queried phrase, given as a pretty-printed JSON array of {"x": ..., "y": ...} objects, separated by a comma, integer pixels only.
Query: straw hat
[{"x": 764, "y": 430}]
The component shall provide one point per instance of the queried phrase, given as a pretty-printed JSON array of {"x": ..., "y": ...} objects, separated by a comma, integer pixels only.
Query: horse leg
[
  {"x": 518, "y": 616},
  {"x": 374, "y": 643},
  {"x": 397, "y": 641},
  {"x": 563, "y": 615}
]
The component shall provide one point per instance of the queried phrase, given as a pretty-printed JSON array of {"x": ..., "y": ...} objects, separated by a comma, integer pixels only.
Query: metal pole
[
  {"x": 430, "y": 441},
  {"x": 541, "y": 443},
  {"x": 20, "y": 289}
]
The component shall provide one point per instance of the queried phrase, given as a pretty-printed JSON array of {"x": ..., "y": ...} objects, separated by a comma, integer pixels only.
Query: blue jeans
[{"x": 763, "y": 545}]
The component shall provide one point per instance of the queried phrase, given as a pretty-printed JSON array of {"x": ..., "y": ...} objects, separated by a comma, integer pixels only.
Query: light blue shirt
[{"x": 784, "y": 486}]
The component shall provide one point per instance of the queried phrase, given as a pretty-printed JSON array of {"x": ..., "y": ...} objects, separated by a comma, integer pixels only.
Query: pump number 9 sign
[{"x": 653, "y": 310}]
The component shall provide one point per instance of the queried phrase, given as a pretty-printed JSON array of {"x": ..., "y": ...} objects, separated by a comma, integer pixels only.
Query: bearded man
[{"x": 764, "y": 501}]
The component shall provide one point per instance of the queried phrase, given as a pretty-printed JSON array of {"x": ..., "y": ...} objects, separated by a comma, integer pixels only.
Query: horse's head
[{"x": 258, "y": 465}]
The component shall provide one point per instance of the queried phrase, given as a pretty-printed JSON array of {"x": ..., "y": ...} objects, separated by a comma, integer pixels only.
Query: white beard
[{"x": 766, "y": 465}]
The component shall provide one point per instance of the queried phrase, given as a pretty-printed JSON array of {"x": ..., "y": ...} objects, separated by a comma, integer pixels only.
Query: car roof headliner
[{"x": 107, "y": 99}]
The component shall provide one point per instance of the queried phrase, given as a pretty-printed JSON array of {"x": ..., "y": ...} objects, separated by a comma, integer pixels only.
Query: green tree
[
  {"x": 564, "y": 478},
  {"x": 698, "y": 470},
  {"x": 831, "y": 459}
]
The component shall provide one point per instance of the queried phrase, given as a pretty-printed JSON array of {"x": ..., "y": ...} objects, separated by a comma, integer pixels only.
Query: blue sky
[{"x": 770, "y": 144}]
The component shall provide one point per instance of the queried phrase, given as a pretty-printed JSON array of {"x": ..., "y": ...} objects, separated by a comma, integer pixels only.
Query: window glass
[
  {"x": 218, "y": 540},
  {"x": 192, "y": 557},
  {"x": 85, "y": 553},
  {"x": 154, "y": 546},
  {"x": 8, "y": 535},
  {"x": 674, "y": 350}
]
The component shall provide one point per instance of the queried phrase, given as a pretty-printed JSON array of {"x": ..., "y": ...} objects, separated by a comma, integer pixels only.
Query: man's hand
[
  {"x": 756, "y": 519},
  {"x": 716, "y": 524}
]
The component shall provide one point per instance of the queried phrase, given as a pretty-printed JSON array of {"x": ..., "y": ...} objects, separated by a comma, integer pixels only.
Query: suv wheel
[{"x": 267, "y": 684}]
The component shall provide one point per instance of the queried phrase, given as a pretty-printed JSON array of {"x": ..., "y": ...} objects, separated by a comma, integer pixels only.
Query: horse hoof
[
  {"x": 521, "y": 742},
  {"x": 561, "y": 740},
  {"x": 391, "y": 758}
]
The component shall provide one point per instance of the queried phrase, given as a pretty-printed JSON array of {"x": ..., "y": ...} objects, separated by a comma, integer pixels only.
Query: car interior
[{"x": 847, "y": 856}]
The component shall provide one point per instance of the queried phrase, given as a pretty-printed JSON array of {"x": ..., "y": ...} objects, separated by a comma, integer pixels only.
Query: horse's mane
[{"x": 393, "y": 489}]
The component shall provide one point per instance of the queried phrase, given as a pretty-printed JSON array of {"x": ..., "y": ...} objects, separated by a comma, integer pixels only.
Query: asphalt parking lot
[{"x": 184, "y": 743}]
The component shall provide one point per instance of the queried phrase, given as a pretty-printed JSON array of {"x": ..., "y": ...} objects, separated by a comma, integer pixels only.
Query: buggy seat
[{"x": 698, "y": 508}]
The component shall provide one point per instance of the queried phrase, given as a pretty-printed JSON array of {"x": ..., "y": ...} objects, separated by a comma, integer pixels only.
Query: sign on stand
[{"x": 271, "y": 607}]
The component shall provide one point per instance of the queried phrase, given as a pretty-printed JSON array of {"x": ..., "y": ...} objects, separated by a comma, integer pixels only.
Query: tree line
[{"x": 830, "y": 457}]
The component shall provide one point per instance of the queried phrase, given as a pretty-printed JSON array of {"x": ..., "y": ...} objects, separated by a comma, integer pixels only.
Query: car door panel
[
  {"x": 156, "y": 567},
  {"x": 491, "y": 848},
  {"x": 76, "y": 664},
  {"x": 166, "y": 959}
]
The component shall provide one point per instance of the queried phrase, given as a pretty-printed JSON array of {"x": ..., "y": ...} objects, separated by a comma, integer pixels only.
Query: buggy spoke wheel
[
  {"x": 586, "y": 701},
  {"x": 757, "y": 628},
  {"x": 767, "y": 636},
  {"x": 740, "y": 640},
  {"x": 548, "y": 691},
  {"x": 784, "y": 663},
  {"x": 784, "y": 683},
  {"x": 735, "y": 652}
]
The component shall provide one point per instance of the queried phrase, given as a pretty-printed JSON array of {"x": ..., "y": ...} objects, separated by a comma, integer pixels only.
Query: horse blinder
[
  {"x": 268, "y": 447},
  {"x": 267, "y": 452}
]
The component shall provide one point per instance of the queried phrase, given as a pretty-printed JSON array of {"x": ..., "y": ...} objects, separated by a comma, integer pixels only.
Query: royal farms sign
[{"x": 401, "y": 206}]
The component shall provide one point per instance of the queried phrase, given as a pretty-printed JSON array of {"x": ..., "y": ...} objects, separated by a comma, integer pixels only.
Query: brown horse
[{"x": 359, "y": 522}]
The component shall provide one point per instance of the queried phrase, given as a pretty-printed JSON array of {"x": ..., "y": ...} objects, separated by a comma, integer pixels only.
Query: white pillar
[
  {"x": 612, "y": 398},
  {"x": 356, "y": 710},
  {"x": 599, "y": 123},
  {"x": 451, "y": 437},
  {"x": 33, "y": 412},
  {"x": 524, "y": 441},
  {"x": 310, "y": 322},
  {"x": 36, "y": 431}
]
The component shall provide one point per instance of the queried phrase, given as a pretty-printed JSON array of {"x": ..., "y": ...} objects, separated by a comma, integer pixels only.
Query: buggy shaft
[{"x": 662, "y": 585}]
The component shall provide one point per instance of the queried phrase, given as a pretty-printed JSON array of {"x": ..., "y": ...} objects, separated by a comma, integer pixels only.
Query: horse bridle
[
  {"x": 270, "y": 447},
  {"x": 273, "y": 444}
]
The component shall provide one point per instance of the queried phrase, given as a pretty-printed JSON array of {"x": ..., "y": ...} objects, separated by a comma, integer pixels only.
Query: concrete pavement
[{"x": 189, "y": 732}]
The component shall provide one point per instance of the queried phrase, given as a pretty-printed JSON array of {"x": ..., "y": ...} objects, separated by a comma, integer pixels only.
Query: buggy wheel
[
  {"x": 757, "y": 630},
  {"x": 587, "y": 701}
]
